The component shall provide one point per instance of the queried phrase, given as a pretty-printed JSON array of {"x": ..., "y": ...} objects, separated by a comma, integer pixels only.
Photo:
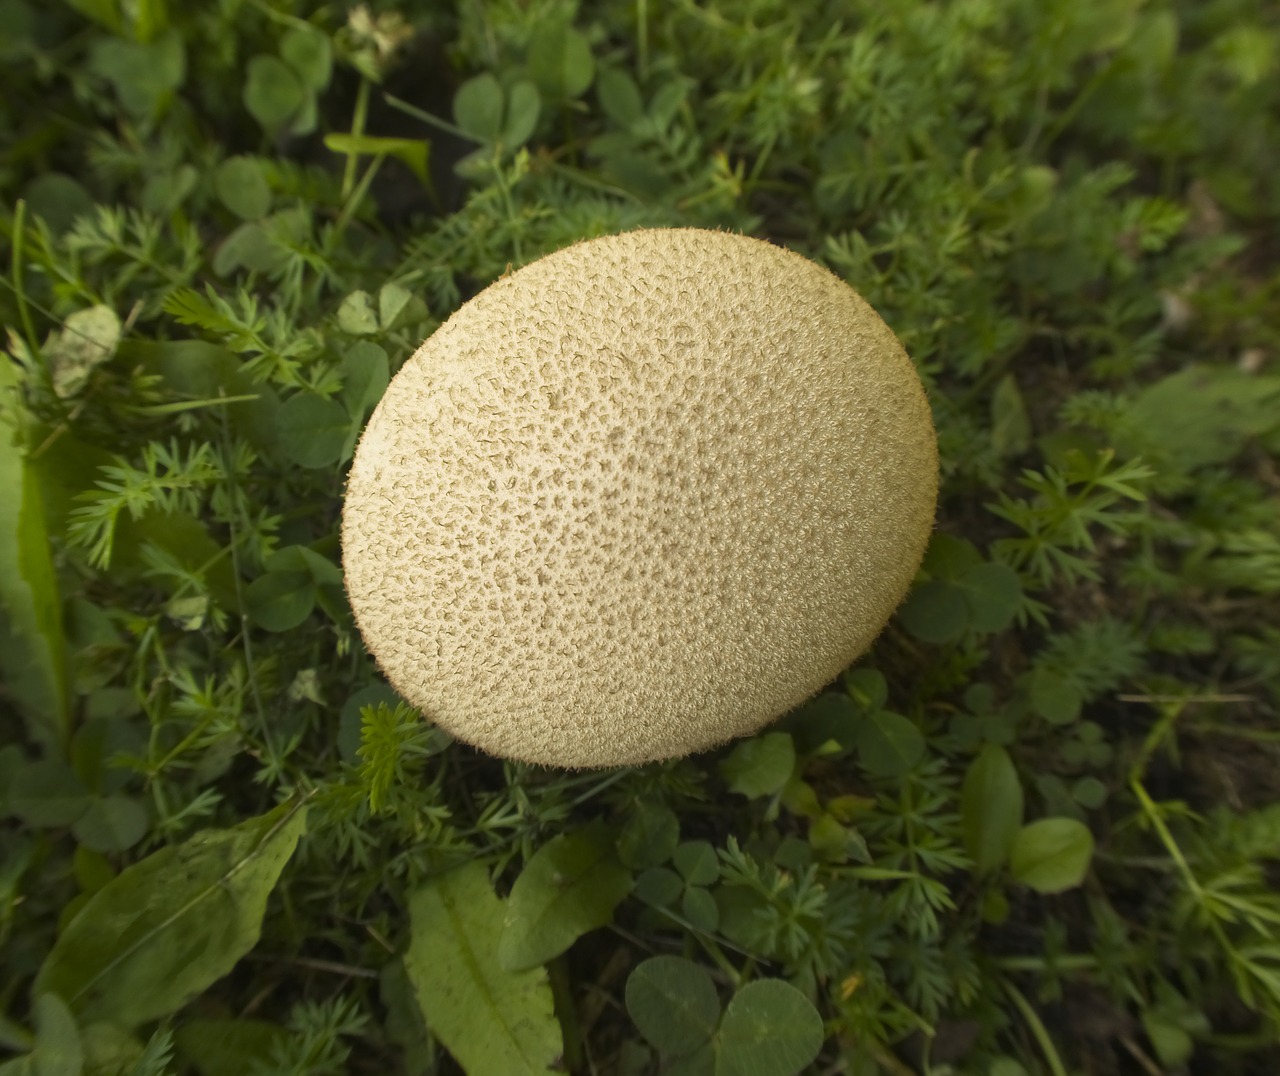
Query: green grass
[{"x": 1035, "y": 830}]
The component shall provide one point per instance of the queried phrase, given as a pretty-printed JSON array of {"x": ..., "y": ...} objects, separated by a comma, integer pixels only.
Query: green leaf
[
  {"x": 935, "y": 612},
  {"x": 949, "y": 557},
  {"x": 173, "y": 924},
  {"x": 143, "y": 75},
  {"x": 524, "y": 105},
  {"x": 478, "y": 107},
  {"x": 993, "y": 594},
  {"x": 867, "y": 687},
  {"x": 1089, "y": 792},
  {"x": 889, "y": 745},
  {"x": 242, "y": 187},
  {"x": 769, "y": 1029},
  {"x": 760, "y": 766},
  {"x": 273, "y": 93},
  {"x": 700, "y": 909},
  {"x": 103, "y": 12},
  {"x": 280, "y": 601},
  {"x": 1199, "y": 416},
  {"x": 57, "y": 198},
  {"x": 570, "y": 887},
  {"x": 649, "y": 835},
  {"x": 310, "y": 54},
  {"x": 356, "y": 314},
  {"x": 697, "y": 862},
  {"x": 1010, "y": 425},
  {"x": 1052, "y": 855},
  {"x": 33, "y": 649},
  {"x": 1055, "y": 697},
  {"x": 832, "y": 717},
  {"x": 228, "y": 1047},
  {"x": 398, "y": 307},
  {"x": 619, "y": 96},
  {"x": 111, "y": 824},
  {"x": 412, "y": 152},
  {"x": 48, "y": 794},
  {"x": 991, "y": 806},
  {"x": 313, "y": 429},
  {"x": 673, "y": 1004},
  {"x": 58, "y": 1048},
  {"x": 365, "y": 376},
  {"x": 200, "y": 371},
  {"x": 659, "y": 886},
  {"x": 489, "y": 1018},
  {"x": 560, "y": 61}
]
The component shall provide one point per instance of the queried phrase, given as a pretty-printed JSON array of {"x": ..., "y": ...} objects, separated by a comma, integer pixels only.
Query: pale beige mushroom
[{"x": 637, "y": 498}]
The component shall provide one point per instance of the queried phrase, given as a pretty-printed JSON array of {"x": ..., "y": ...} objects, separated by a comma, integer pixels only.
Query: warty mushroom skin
[{"x": 637, "y": 498}]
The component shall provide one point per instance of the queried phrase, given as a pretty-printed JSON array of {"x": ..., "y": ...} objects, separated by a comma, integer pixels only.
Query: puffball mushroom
[{"x": 637, "y": 498}]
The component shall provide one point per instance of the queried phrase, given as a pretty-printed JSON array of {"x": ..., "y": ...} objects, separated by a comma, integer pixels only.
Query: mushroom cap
[{"x": 637, "y": 498}]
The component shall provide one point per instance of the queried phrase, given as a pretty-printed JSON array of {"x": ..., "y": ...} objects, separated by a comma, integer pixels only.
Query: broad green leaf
[
  {"x": 832, "y": 717},
  {"x": 273, "y": 93},
  {"x": 48, "y": 793},
  {"x": 760, "y": 766},
  {"x": 171, "y": 925},
  {"x": 489, "y": 1018},
  {"x": 227, "y": 1047},
  {"x": 310, "y": 54},
  {"x": 649, "y": 835},
  {"x": 103, "y": 12},
  {"x": 949, "y": 557},
  {"x": 769, "y": 1029},
  {"x": 251, "y": 247},
  {"x": 412, "y": 152},
  {"x": 1089, "y": 792},
  {"x": 697, "y": 862},
  {"x": 659, "y": 886},
  {"x": 1055, "y": 697},
  {"x": 313, "y": 429},
  {"x": 206, "y": 374},
  {"x": 33, "y": 648},
  {"x": 58, "y": 198},
  {"x": 570, "y": 887},
  {"x": 365, "y": 376},
  {"x": 619, "y": 96},
  {"x": 1199, "y": 416},
  {"x": 1052, "y": 855},
  {"x": 356, "y": 314},
  {"x": 867, "y": 687},
  {"x": 242, "y": 187},
  {"x": 993, "y": 594},
  {"x": 991, "y": 806},
  {"x": 889, "y": 744},
  {"x": 398, "y": 306},
  {"x": 700, "y": 909},
  {"x": 524, "y": 105},
  {"x": 58, "y": 1049},
  {"x": 673, "y": 1004},
  {"x": 1010, "y": 425},
  {"x": 144, "y": 76},
  {"x": 935, "y": 612},
  {"x": 111, "y": 824},
  {"x": 478, "y": 107},
  {"x": 560, "y": 61},
  {"x": 280, "y": 601},
  {"x": 299, "y": 558}
]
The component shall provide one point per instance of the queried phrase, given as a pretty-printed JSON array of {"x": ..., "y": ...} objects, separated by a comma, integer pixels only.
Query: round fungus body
[{"x": 637, "y": 498}]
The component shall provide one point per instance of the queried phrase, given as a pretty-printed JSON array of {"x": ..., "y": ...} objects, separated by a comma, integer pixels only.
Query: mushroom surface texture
[{"x": 637, "y": 498}]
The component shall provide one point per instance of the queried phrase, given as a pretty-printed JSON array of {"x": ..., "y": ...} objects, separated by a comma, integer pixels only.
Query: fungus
[{"x": 638, "y": 498}]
